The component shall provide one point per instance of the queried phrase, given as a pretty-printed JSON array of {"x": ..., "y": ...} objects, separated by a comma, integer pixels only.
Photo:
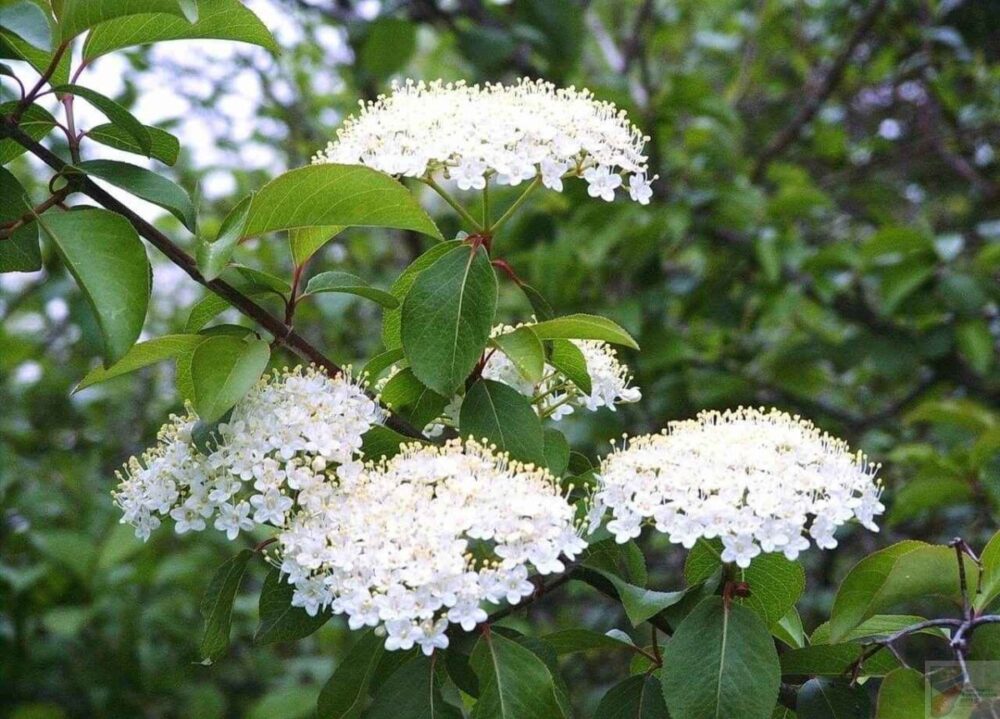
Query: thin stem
[
  {"x": 8, "y": 229},
  {"x": 431, "y": 183},
  {"x": 486, "y": 204},
  {"x": 548, "y": 411},
  {"x": 33, "y": 93},
  {"x": 513, "y": 208}
]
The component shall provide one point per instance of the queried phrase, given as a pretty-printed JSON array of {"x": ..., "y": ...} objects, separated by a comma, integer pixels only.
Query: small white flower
[
  {"x": 601, "y": 182},
  {"x": 270, "y": 507},
  {"x": 233, "y": 519},
  {"x": 640, "y": 189},
  {"x": 470, "y": 174},
  {"x": 740, "y": 549}
]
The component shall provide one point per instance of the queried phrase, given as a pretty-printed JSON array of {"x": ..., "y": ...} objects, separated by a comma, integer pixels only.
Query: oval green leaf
[
  {"x": 146, "y": 184},
  {"x": 584, "y": 327},
  {"x": 349, "y": 284},
  {"x": 142, "y": 355},
  {"x": 342, "y": 195},
  {"x": 720, "y": 664},
  {"x": 447, "y": 317},
  {"x": 107, "y": 259},
  {"x": 223, "y": 369},
  {"x": 503, "y": 416},
  {"x": 217, "y": 20}
]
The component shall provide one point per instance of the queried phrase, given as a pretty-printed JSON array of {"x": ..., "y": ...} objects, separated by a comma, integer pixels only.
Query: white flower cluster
[
  {"x": 759, "y": 481},
  {"x": 610, "y": 380},
  {"x": 273, "y": 456},
  {"x": 419, "y": 542},
  {"x": 510, "y": 133}
]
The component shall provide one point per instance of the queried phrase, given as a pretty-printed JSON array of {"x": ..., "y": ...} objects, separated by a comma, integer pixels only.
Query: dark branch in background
[
  {"x": 823, "y": 88},
  {"x": 282, "y": 333},
  {"x": 963, "y": 628}
]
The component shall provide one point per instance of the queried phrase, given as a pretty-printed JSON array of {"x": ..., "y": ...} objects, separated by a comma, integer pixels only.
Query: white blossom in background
[
  {"x": 416, "y": 543},
  {"x": 506, "y": 133},
  {"x": 610, "y": 379},
  {"x": 274, "y": 455},
  {"x": 759, "y": 481}
]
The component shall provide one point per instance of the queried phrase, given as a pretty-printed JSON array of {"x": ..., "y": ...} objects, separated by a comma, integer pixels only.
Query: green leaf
[
  {"x": 927, "y": 494},
  {"x": 881, "y": 625},
  {"x": 117, "y": 114},
  {"x": 257, "y": 280},
  {"x": 19, "y": 252},
  {"x": 406, "y": 395},
  {"x": 775, "y": 586},
  {"x": 583, "y": 327},
  {"x": 27, "y": 21},
  {"x": 78, "y": 16},
  {"x": 217, "y": 20},
  {"x": 447, "y": 318},
  {"x": 637, "y": 697},
  {"x": 568, "y": 359},
  {"x": 212, "y": 305},
  {"x": 990, "y": 559},
  {"x": 304, "y": 242},
  {"x": 975, "y": 342},
  {"x": 623, "y": 560},
  {"x": 834, "y": 660},
  {"x": 391, "y": 319},
  {"x": 901, "y": 695},
  {"x": 540, "y": 306},
  {"x": 380, "y": 363},
  {"x": 217, "y": 606},
  {"x": 288, "y": 702},
  {"x": 342, "y": 195},
  {"x": 640, "y": 604},
  {"x": 514, "y": 682},
  {"x": 214, "y": 256},
  {"x": 142, "y": 355},
  {"x": 379, "y": 442},
  {"x": 556, "y": 451},
  {"x": 570, "y": 641},
  {"x": 107, "y": 259},
  {"x": 223, "y": 369},
  {"x": 498, "y": 413},
  {"x": 412, "y": 692},
  {"x": 146, "y": 184},
  {"x": 345, "y": 695},
  {"x": 825, "y": 698},
  {"x": 35, "y": 122},
  {"x": 349, "y": 284},
  {"x": 720, "y": 663},
  {"x": 162, "y": 145},
  {"x": 789, "y": 629},
  {"x": 524, "y": 350},
  {"x": 279, "y": 620},
  {"x": 388, "y": 46},
  {"x": 906, "y": 571},
  {"x": 703, "y": 559}
]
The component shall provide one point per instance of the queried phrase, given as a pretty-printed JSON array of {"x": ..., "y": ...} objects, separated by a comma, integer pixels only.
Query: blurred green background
[{"x": 846, "y": 267}]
